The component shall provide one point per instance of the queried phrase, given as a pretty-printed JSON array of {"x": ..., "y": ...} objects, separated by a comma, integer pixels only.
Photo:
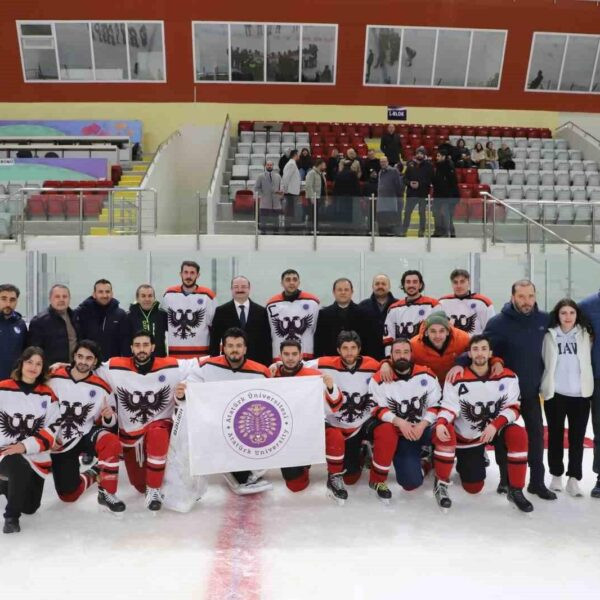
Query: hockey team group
[{"x": 447, "y": 378}]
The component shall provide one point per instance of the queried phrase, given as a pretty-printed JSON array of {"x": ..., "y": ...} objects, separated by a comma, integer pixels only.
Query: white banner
[{"x": 255, "y": 424}]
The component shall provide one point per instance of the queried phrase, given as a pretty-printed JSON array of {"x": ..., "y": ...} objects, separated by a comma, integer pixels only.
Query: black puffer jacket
[
  {"x": 49, "y": 331},
  {"x": 444, "y": 180}
]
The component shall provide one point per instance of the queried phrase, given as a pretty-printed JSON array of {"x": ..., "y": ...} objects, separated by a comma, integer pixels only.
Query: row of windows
[{"x": 122, "y": 51}]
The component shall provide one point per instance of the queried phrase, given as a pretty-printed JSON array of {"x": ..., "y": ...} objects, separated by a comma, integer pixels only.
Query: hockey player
[
  {"x": 190, "y": 309},
  {"x": 233, "y": 364},
  {"x": 479, "y": 408},
  {"x": 29, "y": 423},
  {"x": 405, "y": 316},
  {"x": 352, "y": 372},
  {"x": 296, "y": 478},
  {"x": 86, "y": 417},
  {"x": 409, "y": 402},
  {"x": 293, "y": 315},
  {"x": 466, "y": 311}
]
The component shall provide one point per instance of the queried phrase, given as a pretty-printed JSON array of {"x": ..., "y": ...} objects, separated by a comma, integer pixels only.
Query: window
[
  {"x": 564, "y": 62},
  {"x": 430, "y": 57},
  {"x": 90, "y": 51},
  {"x": 264, "y": 52}
]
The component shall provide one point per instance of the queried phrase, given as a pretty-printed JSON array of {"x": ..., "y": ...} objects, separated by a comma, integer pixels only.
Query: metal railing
[
  {"x": 584, "y": 133},
  {"x": 157, "y": 155},
  {"x": 120, "y": 218}
]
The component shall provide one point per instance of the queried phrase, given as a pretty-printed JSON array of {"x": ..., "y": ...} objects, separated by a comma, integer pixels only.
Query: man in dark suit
[
  {"x": 376, "y": 306},
  {"x": 251, "y": 317},
  {"x": 344, "y": 315}
]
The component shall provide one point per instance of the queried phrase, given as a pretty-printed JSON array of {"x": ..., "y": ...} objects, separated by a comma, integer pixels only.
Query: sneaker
[
  {"x": 440, "y": 491},
  {"x": 573, "y": 488},
  {"x": 11, "y": 525},
  {"x": 515, "y": 496},
  {"x": 111, "y": 501},
  {"x": 153, "y": 499},
  {"x": 556, "y": 484},
  {"x": 336, "y": 488},
  {"x": 595, "y": 493},
  {"x": 542, "y": 492},
  {"x": 382, "y": 490}
]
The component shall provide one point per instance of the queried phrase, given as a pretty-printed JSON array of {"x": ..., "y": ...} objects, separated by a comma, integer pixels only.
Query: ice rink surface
[{"x": 280, "y": 546}]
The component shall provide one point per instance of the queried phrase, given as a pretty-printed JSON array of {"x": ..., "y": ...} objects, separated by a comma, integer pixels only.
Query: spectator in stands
[
  {"x": 13, "y": 330},
  {"x": 371, "y": 164},
  {"x": 290, "y": 186},
  {"x": 283, "y": 160},
  {"x": 345, "y": 189},
  {"x": 417, "y": 178},
  {"x": 372, "y": 184},
  {"x": 445, "y": 192},
  {"x": 452, "y": 151},
  {"x": 465, "y": 161},
  {"x": 461, "y": 146},
  {"x": 491, "y": 155},
  {"x": 505, "y": 157},
  {"x": 56, "y": 329},
  {"x": 316, "y": 187},
  {"x": 391, "y": 144},
  {"x": 333, "y": 163},
  {"x": 376, "y": 306},
  {"x": 355, "y": 166},
  {"x": 390, "y": 194},
  {"x": 103, "y": 321},
  {"x": 146, "y": 315},
  {"x": 305, "y": 163},
  {"x": 478, "y": 156},
  {"x": 268, "y": 191}
]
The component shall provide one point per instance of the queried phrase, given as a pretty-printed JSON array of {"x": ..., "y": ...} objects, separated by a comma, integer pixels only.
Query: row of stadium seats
[
  {"x": 534, "y": 177},
  {"x": 546, "y": 192},
  {"x": 99, "y": 183},
  {"x": 63, "y": 206},
  {"x": 513, "y": 142}
]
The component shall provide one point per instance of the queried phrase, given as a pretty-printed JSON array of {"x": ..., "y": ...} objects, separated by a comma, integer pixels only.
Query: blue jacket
[
  {"x": 13, "y": 337},
  {"x": 590, "y": 306},
  {"x": 517, "y": 339}
]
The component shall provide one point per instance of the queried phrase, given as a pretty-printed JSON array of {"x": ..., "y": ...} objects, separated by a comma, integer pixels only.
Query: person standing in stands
[
  {"x": 445, "y": 192},
  {"x": 267, "y": 189},
  {"x": 56, "y": 329},
  {"x": 316, "y": 187},
  {"x": 305, "y": 163},
  {"x": 333, "y": 164},
  {"x": 417, "y": 178},
  {"x": 13, "y": 330},
  {"x": 146, "y": 315},
  {"x": 190, "y": 309},
  {"x": 290, "y": 186},
  {"x": 103, "y": 321},
  {"x": 372, "y": 164},
  {"x": 390, "y": 198},
  {"x": 391, "y": 144}
]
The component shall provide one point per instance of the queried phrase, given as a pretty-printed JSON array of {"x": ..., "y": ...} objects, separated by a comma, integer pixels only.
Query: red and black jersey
[
  {"x": 469, "y": 313},
  {"x": 404, "y": 318}
]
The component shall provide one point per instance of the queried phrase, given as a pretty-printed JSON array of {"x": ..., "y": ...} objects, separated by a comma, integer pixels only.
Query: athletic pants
[{"x": 22, "y": 486}]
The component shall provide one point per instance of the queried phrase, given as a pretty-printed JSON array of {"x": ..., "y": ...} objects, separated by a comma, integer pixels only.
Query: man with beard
[
  {"x": 190, "y": 310},
  {"x": 352, "y": 372},
  {"x": 146, "y": 315},
  {"x": 13, "y": 330},
  {"x": 232, "y": 365},
  {"x": 417, "y": 178},
  {"x": 86, "y": 417},
  {"x": 405, "y": 316},
  {"x": 479, "y": 408},
  {"x": 408, "y": 402}
]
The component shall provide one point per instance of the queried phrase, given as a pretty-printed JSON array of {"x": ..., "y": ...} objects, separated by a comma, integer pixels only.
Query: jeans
[
  {"x": 443, "y": 216},
  {"x": 411, "y": 202}
]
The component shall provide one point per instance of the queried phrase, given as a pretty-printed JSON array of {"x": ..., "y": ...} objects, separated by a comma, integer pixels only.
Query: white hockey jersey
[
  {"x": 190, "y": 318},
  {"x": 413, "y": 398},
  {"x": 81, "y": 403},
  {"x": 293, "y": 320},
  {"x": 32, "y": 419},
  {"x": 217, "y": 368},
  {"x": 404, "y": 317},
  {"x": 473, "y": 402},
  {"x": 470, "y": 313},
  {"x": 357, "y": 401}
]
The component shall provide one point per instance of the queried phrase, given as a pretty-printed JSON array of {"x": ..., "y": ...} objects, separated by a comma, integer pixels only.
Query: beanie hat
[{"x": 437, "y": 318}]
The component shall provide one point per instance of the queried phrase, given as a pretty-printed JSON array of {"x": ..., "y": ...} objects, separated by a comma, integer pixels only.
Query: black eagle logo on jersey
[
  {"x": 481, "y": 414},
  {"x": 185, "y": 321},
  {"x": 73, "y": 416},
  {"x": 144, "y": 405},
  {"x": 409, "y": 410},
  {"x": 464, "y": 323},
  {"x": 354, "y": 406},
  {"x": 19, "y": 426},
  {"x": 406, "y": 330},
  {"x": 292, "y": 328}
]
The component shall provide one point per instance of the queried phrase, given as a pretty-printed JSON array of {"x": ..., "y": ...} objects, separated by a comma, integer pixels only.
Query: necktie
[{"x": 243, "y": 316}]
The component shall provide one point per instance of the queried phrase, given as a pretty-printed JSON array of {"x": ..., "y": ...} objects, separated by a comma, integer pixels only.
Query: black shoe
[
  {"x": 381, "y": 490},
  {"x": 440, "y": 491},
  {"x": 110, "y": 501},
  {"x": 515, "y": 496},
  {"x": 596, "y": 489},
  {"x": 542, "y": 492},
  {"x": 153, "y": 499},
  {"x": 335, "y": 487},
  {"x": 11, "y": 525},
  {"x": 502, "y": 488}
]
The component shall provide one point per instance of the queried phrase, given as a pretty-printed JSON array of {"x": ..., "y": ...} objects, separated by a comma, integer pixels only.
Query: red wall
[{"x": 519, "y": 17}]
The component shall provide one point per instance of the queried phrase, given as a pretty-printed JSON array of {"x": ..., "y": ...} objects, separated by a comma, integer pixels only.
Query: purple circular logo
[
  {"x": 92, "y": 393},
  {"x": 421, "y": 312},
  {"x": 200, "y": 301},
  {"x": 161, "y": 378},
  {"x": 501, "y": 387},
  {"x": 305, "y": 306},
  {"x": 423, "y": 382},
  {"x": 44, "y": 404},
  {"x": 257, "y": 423},
  {"x": 473, "y": 306}
]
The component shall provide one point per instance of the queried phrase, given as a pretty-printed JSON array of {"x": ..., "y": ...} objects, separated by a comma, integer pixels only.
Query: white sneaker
[
  {"x": 254, "y": 485},
  {"x": 556, "y": 485},
  {"x": 573, "y": 488}
]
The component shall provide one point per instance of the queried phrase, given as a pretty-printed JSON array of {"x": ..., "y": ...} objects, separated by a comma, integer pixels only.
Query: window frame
[{"x": 90, "y": 23}]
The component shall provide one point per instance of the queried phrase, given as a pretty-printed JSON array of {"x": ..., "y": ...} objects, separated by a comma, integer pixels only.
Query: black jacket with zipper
[{"x": 154, "y": 320}]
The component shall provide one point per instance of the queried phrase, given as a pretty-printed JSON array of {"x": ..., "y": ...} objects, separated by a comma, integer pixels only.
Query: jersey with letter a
[
  {"x": 190, "y": 317},
  {"x": 357, "y": 402},
  {"x": 142, "y": 399},
  {"x": 32, "y": 419},
  {"x": 404, "y": 317},
  {"x": 473, "y": 402},
  {"x": 293, "y": 320},
  {"x": 470, "y": 313},
  {"x": 81, "y": 403},
  {"x": 413, "y": 397}
]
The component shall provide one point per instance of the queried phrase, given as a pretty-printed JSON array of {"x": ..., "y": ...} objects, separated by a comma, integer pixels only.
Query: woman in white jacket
[{"x": 567, "y": 385}]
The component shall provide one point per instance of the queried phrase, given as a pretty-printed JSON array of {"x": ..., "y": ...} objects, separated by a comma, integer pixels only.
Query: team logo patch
[
  {"x": 19, "y": 426},
  {"x": 292, "y": 328},
  {"x": 161, "y": 378},
  {"x": 423, "y": 382},
  {"x": 501, "y": 387},
  {"x": 73, "y": 416},
  {"x": 305, "y": 306},
  {"x": 185, "y": 322},
  {"x": 473, "y": 306},
  {"x": 355, "y": 407},
  {"x": 200, "y": 301},
  {"x": 143, "y": 405},
  {"x": 421, "y": 312},
  {"x": 257, "y": 423},
  {"x": 481, "y": 414},
  {"x": 44, "y": 404},
  {"x": 92, "y": 393}
]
